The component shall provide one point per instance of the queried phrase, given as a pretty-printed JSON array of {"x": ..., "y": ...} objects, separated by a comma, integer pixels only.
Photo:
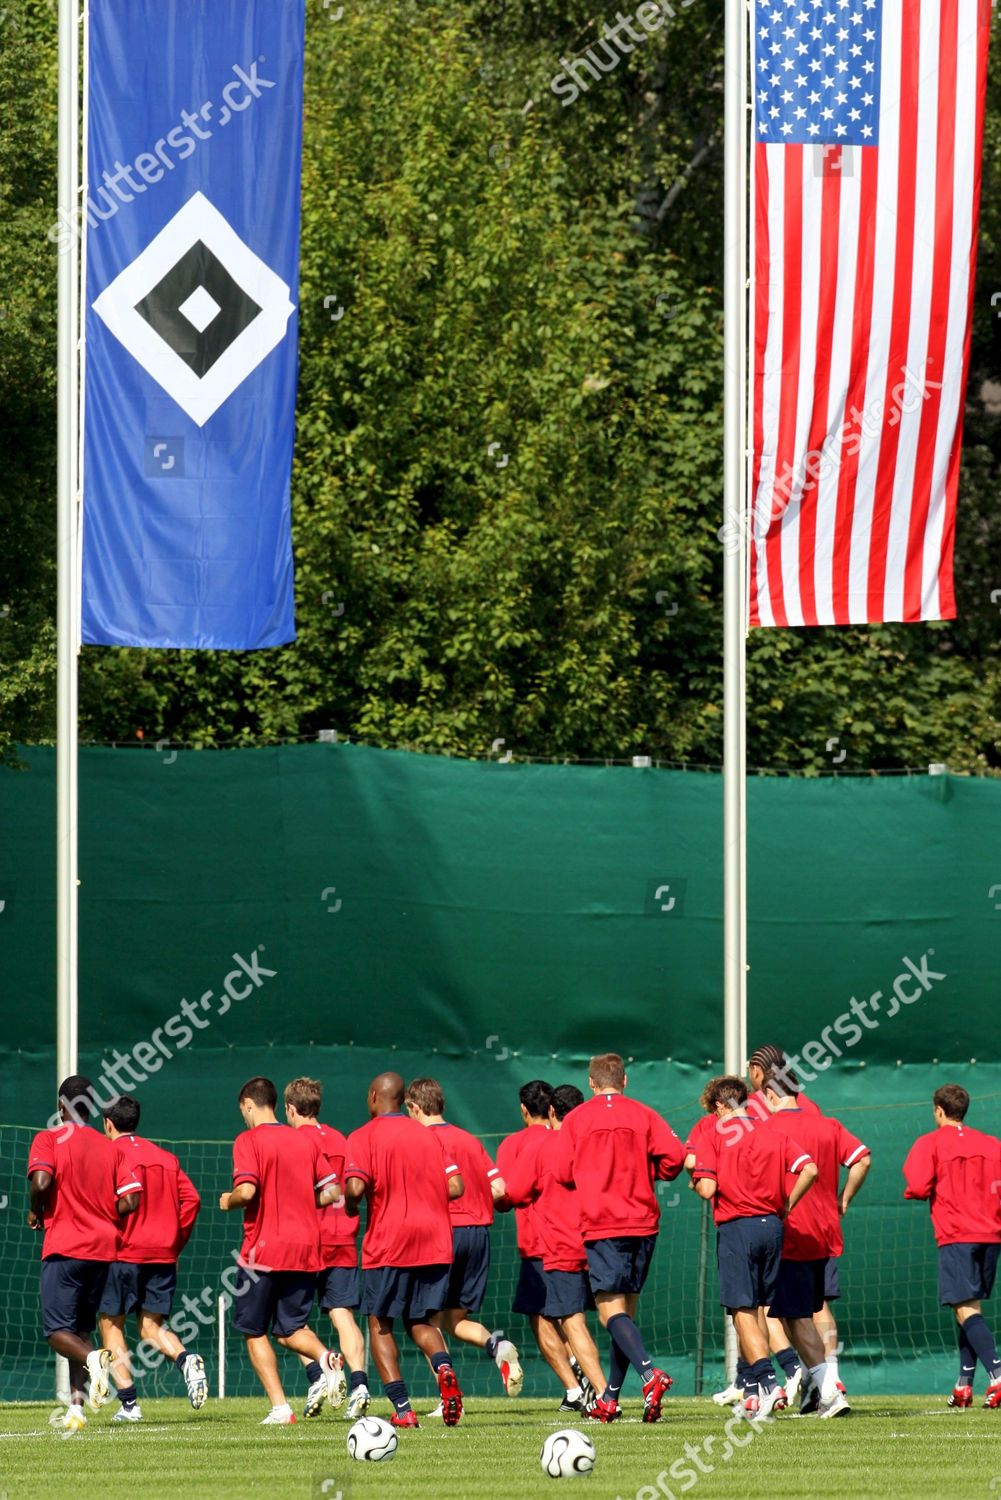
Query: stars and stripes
[{"x": 868, "y": 126}]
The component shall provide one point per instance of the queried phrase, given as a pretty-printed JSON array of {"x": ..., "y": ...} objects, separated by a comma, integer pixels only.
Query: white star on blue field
[{"x": 817, "y": 73}]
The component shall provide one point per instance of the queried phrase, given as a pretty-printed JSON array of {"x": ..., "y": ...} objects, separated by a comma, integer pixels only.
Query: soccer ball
[
  {"x": 373, "y": 1439},
  {"x": 567, "y": 1453}
]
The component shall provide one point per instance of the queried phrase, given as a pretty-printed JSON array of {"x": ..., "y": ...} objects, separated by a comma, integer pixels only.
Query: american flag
[{"x": 868, "y": 120}]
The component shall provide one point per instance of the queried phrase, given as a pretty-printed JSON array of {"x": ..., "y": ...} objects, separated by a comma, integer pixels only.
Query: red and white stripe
[{"x": 863, "y": 287}]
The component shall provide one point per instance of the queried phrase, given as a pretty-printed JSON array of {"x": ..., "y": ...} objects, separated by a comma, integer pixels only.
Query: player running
[
  {"x": 408, "y": 1181},
  {"x": 743, "y": 1168},
  {"x": 75, "y": 1198},
  {"x": 958, "y": 1171},
  {"x": 143, "y": 1279},
  {"x": 471, "y": 1215},
  {"x": 280, "y": 1178},
  {"x": 613, "y": 1149},
  {"x": 337, "y": 1287}
]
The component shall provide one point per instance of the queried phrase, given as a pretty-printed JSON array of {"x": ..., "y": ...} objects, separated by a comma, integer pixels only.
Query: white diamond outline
[{"x": 200, "y": 397}]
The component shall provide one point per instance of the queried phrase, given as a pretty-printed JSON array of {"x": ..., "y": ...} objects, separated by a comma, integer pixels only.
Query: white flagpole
[
  {"x": 734, "y": 567},
  {"x": 68, "y": 610}
]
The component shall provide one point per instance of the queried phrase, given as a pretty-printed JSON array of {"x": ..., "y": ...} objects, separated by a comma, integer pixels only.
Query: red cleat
[
  {"x": 603, "y": 1411},
  {"x": 962, "y": 1396},
  {"x": 404, "y": 1419},
  {"x": 654, "y": 1391},
  {"x": 992, "y": 1400},
  {"x": 451, "y": 1396}
]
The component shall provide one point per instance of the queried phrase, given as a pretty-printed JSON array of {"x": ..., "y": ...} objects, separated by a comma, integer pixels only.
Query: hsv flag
[
  {"x": 194, "y": 119},
  {"x": 868, "y": 124}
]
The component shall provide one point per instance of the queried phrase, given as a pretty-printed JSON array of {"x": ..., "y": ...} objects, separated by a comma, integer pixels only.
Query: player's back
[
  {"x": 964, "y": 1170},
  {"x": 81, "y": 1220},
  {"x": 613, "y": 1143},
  {"x": 281, "y": 1227},
  {"x": 750, "y": 1163},
  {"x": 476, "y": 1206},
  {"x": 338, "y": 1229},
  {"x": 153, "y": 1235},
  {"x": 405, "y": 1171},
  {"x": 812, "y": 1230},
  {"x": 518, "y": 1154},
  {"x": 558, "y": 1209}
]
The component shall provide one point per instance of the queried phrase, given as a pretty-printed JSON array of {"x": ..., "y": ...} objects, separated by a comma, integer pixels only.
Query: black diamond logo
[{"x": 198, "y": 309}]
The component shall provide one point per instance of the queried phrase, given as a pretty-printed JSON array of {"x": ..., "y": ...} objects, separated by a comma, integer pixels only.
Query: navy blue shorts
[
  {"x": 832, "y": 1282},
  {"x": 410, "y": 1292},
  {"x": 966, "y": 1272},
  {"x": 748, "y": 1252},
  {"x": 274, "y": 1302},
  {"x": 567, "y": 1292},
  {"x": 620, "y": 1264},
  {"x": 132, "y": 1288},
  {"x": 530, "y": 1293},
  {"x": 338, "y": 1286},
  {"x": 70, "y": 1293},
  {"x": 467, "y": 1282},
  {"x": 799, "y": 1291}
]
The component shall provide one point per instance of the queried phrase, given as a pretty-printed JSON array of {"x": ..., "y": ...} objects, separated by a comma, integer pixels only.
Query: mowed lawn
[{"x": 907, "y": 1446}]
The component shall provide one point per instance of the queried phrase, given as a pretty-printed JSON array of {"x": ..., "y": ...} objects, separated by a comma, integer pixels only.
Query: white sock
[
  {"x": 574, "y": 1393},
  {"x": 824, "y": 1381},
  {"x": 832, "y": 1365}
]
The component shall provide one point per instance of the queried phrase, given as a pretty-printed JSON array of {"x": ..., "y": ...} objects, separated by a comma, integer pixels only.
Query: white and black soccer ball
[
  {"x": 567, "y": 1453},
  {"x": 372, "y": 1439}
]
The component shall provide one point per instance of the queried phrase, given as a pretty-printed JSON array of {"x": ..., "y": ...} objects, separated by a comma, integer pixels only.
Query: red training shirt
[
  {"x": 704, "y": 1125},
  {"x": 557, "y": 1209},
  {"x": 813, "y": 1229},
  {"x": 751, "y": 1165},
  {"x": 757, "y": 1105},
  {"x": 476, "y": 1206},
  {"x": 958, "y": 1170},
  {"x": 281, "y": 1231},
  {"x": 520, "y": 1152},
  {"x": 338, "y": 1228},
  {"x": 405, "y": 1171},
  {"x": 81, "y": 1220},
  {"x": 158, "y": 1231},
  {"x": 613, "y": 1149}
]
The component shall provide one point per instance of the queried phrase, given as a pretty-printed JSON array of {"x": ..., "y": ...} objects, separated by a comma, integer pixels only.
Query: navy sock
[
  {"x": 127, "y": 1395},
  {"x": 437, "y": 1360},
  {"x": 762, "y": 1375},
  {"x": 981, "y": 1341},
  {"x": 358, "y": 1377},
  {"x": 396, "y": 1390},
  {"x": 967, "y": 1358},
  {"x": 314, "y": 1370},
  {"x": 743, "y": 1370},
  {"x": 179, "y": 1361},
  {"x": 623, "y": 1331},
  {"x": 492, "y": 1344},
  {"x": 789, "y": 1360},
  {"x": 618, "y": 1368}
]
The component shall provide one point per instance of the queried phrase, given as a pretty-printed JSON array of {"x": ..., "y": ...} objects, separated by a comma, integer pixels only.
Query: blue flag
[{"x": 192, "y": 247}]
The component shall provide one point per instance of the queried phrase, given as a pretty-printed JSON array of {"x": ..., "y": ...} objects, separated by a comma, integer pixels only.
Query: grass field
[{"x": 906, "y": 1446}]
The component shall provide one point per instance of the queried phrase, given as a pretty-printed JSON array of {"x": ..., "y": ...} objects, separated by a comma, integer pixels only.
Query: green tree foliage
[{"x": 507, "y": 485}]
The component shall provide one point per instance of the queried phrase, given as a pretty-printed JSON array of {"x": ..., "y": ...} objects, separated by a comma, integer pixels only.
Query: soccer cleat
[
  {"x": 992, "y": 1397},
  {"x": 588, "y": 1392},
  {"x": 774, "y": 1400},
  {"x": 98, "y": 1365},
  {"x": 195, "y": 1380},
  {"x": 841, "y": 1387},
  {"x": 337, "y": 1386},
  {"x": 315, "y": 1397},
  {"x": 357, "y": 1403},
  {"x": 809, "y": 1399},
  {"x": 404, "y": 1419},
  {"x": 451, "y": 1396},
  {"x": 729, "y": 1397},
  {"x": 654, "y": 1391},
  {"x": 509, "y": 1365},
  {"x": 127, "y": 1414},
  {"x": 279, "y": 1416},
  {"x": 836, "y": 1407},
  {"x": 578, "y": 1406},
  {"x": 962, "y": 1396},
  {"x": 73, "y": 1419},
  {"x": 604, "y": 1411},
  {"x": 437, "y": 1411},
  {"x": 748, "y": 1408}
]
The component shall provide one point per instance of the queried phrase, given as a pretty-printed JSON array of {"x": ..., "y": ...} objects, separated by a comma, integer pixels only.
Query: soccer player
[
  {"x": 280, "y": 1178},
  {"x": 564, "y": 1260},
  {"x": 143, "y": 1278},
  {"x": 613, "y": 1149},
  {"x": 958, "y": 1171},
  {"x": 472, "y": 1216},
  {"x": 813, "y": 1235},
  {"x": 744, "y": 1169},
  {"x": 534, "y": 1100},
  {"x": 75, "y": 1197},
  {"x": 408, "y": 1181},
  {"x": 338, "y": 1288}
]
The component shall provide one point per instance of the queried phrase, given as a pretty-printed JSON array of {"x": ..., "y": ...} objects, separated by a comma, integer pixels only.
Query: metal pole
[
  {"x": 67, "y": 612},
  {"x": 222, "y": 1348},
  {"x": 700, "y": 1299}
]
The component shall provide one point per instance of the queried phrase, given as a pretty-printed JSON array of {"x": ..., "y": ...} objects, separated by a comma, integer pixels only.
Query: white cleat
[
  {"x": 793, "y": 1385},
  {"x": 729, "y": 1397},
  {"x": 70, "y": 1421},
  {"x": 774, "y": 1400},
  {"x": 196, "y": 1381},
  {"x": 98, "y": 1365},
  {"x": 836, "y": 1407},
  {"x": 131, "y": 1414},
  {"x": 337, "y": 1386},
  {"x": 315, "y": 1397},
  {"x": 279, "y": 1416},
  {"x": 357, "y": 1403},
  {"x": 437, "y": 1411},
  {"x": 509, "y": 1365}
]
